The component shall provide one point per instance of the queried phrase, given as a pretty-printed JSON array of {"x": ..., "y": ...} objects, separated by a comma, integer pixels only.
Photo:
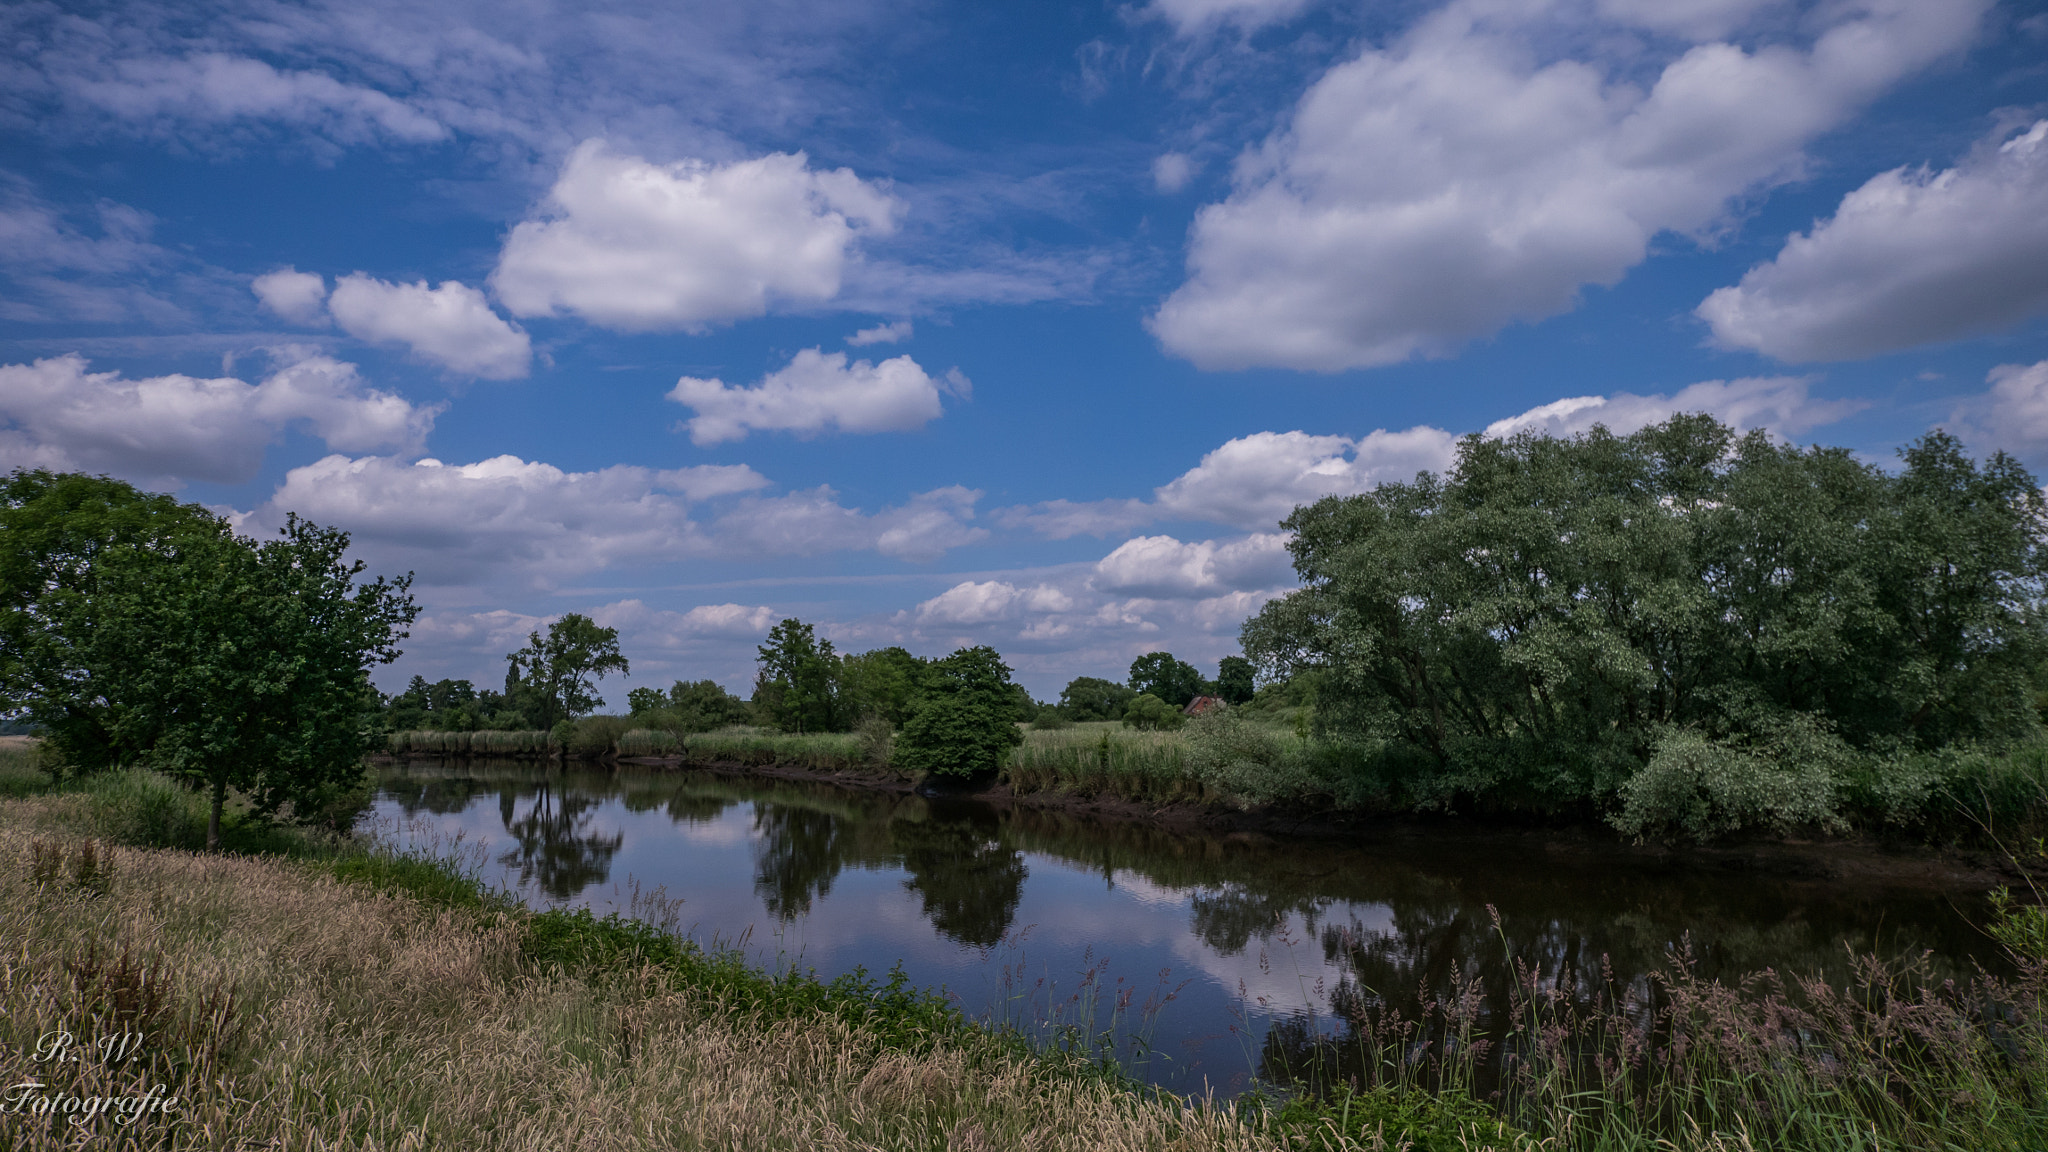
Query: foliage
[
  {"x": 797, "y": 688},
  {"x": 1098, "y": 758},
  {"x": 1151, "y": 713},
  {"x": 222, "y": 661},
  {"x": 1159, "y": 674},
  {"x": 1708, "y": 789},
  {"x": 57, "y": 527},
  {"x": 1049, "y": 719},
  {"x": 647, "y": 742},
  {"x": 961, "y": 723},
  {"x": 640, "y": 701},
  {"x": 1531, "y": 625},
  {"x": 596, "y": 736},
  {"x": 1093, "y": 698},
  {"x": 561, "y": 670},
  {"x": 882, "y": 683},
  {"x": 1235, "y": 681},
  {"x": 692, "y": 706}
]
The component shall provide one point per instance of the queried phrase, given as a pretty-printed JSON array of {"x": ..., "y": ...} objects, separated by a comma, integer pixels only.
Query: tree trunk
[{"x": 220, "y": 796}]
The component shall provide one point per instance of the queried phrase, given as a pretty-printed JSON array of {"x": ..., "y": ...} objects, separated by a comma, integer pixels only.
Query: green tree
[
  {"x": 559, "y": 672},
  {"x": 1530, "y": 628},
  {"x": 1150, "y": 712},
  {"x": 961, "y": 723},
  {"x": 56, "y": 527},
  {"x": 1093, "y": 698},
  {"x": 640, "y": 701},
  {"x": 880, "y": 683},
  {"x": 797, "y": 686},
  {"x": 1159, "y": 674},
  {"x": 235, "y": 664},
  {"x": 1235, "y": 681}
]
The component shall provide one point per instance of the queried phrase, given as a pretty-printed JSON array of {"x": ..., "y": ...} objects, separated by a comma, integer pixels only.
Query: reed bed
[
  {"x": 648, "y": 742},
  {"x": 1894, "y": 1061},
  {"x": 283, "y": 1008},
  {"x": 519, "y": 743},
  {"x": 1106, "y": 758},
  {"x": 755, "y": 746}
]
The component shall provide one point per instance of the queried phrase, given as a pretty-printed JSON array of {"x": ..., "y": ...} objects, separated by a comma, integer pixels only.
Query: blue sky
[{"x": 947, "y": 324}]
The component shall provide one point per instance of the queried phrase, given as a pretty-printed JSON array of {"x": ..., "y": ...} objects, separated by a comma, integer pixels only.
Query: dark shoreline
[{"x": 1855, "y": 861}]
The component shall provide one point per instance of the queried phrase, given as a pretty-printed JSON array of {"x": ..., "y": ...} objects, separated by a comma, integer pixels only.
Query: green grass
[
  {"x": 757, "y": 746},
  {"x": 1105, "y": 758}
]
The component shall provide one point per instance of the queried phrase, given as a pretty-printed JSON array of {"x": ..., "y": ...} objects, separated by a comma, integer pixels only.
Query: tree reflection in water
[
  {"x": 970, "y": 880},
  {"x": 800, "y": 854},
  {"x": 551, "y": 847}
]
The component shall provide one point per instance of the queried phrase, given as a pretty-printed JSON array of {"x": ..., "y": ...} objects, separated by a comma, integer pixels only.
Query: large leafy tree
[
  {"x": 797, "y": 686},
  {"x": 961, "y": 723},
  {"x": 217, "y": 660},
  {"x": 1528, "y": 626},
  {"x": 880, "y": 683},
  {"x": 557, "y": 674},
  {"x": 57, "y": 527},
  {"x": 1160, "y": 674}
]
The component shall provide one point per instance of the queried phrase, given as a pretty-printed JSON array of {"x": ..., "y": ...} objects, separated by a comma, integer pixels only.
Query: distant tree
[
  {"x": 1159, "y": 674},
  {"x": 704, "y": 705},
  {"x": 233, "y": 663},
  {"x": 797, "y": 685},
  {"x": 1235, "y": 681},
  {"x": 640, "y": 701},
  {"x": 880, "y": 683},
  {"x": 1151, "y": 713},
  {"x": 962, "y": 721},
  {"x": 559, "y": 672},
  {"x": 1092, "y": 698}
]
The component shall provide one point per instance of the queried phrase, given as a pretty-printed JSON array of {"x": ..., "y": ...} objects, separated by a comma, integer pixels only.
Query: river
[{"x": 1188, "y": 948}]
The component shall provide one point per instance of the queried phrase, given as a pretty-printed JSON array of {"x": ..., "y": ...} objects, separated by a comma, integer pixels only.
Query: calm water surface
[{"x": 1037, "y": 918}]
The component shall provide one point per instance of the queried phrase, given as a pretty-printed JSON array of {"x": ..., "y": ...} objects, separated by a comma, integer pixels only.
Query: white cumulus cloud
[
  {"x": 163, "y": 429},
  {"x": 1780, "y": 404},
  {"x": 1163, "y": 568},
  {"x": 1912, "y": 257},
  {"x": 300, "y": 297},
  {"x": 1438, "y": 188},
  {"x": 638, "y": 246},
  {"x": 814, "y": 392},
  {"x": 667, "y": 628},
  {"x": 812, "y": 521},
  {"x": 1254, "y": 481},
  {"x": 987, "y": 601},
  {"x": 451, "y": 325},
  {"x": 2013, "y": 415}
]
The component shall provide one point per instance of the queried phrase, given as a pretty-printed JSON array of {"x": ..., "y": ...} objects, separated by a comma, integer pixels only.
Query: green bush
[
  {"x": 1049, "y": 719},
  {"x": 1708, "y": 789},
  {"x": 1150, "y": 713}
]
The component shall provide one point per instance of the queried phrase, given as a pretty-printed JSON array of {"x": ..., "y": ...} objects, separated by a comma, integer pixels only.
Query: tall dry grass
[{"x": 286, "y": 1009}]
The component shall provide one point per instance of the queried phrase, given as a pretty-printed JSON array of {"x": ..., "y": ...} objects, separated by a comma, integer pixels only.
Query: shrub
[
  {"x": 1049, "y": 719},
  {"x": 1708, "y": 789},
  {"x": 595, "y": 736},
  {"x": 1150, "y": 713}
]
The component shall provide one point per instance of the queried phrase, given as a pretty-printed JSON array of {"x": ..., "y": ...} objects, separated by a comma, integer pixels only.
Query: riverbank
[
  {"x": 325, "y": 994},
  {"x": 1850, "y": 860}
]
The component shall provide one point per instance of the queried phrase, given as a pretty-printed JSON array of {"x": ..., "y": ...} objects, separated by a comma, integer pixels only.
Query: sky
[{"x": 948, "y": 324}]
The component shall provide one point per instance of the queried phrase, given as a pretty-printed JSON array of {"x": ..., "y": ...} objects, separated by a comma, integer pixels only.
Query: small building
[{"x": 1202, "y": 704}]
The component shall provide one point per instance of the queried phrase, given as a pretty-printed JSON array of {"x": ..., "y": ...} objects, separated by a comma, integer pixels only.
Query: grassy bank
[
  {"x": 335, "y": 996},
  {"x": 316, "y": 992}
]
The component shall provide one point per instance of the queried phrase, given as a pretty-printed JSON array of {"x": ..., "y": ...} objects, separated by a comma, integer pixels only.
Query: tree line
[{"x": 1680, "y": 626}]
